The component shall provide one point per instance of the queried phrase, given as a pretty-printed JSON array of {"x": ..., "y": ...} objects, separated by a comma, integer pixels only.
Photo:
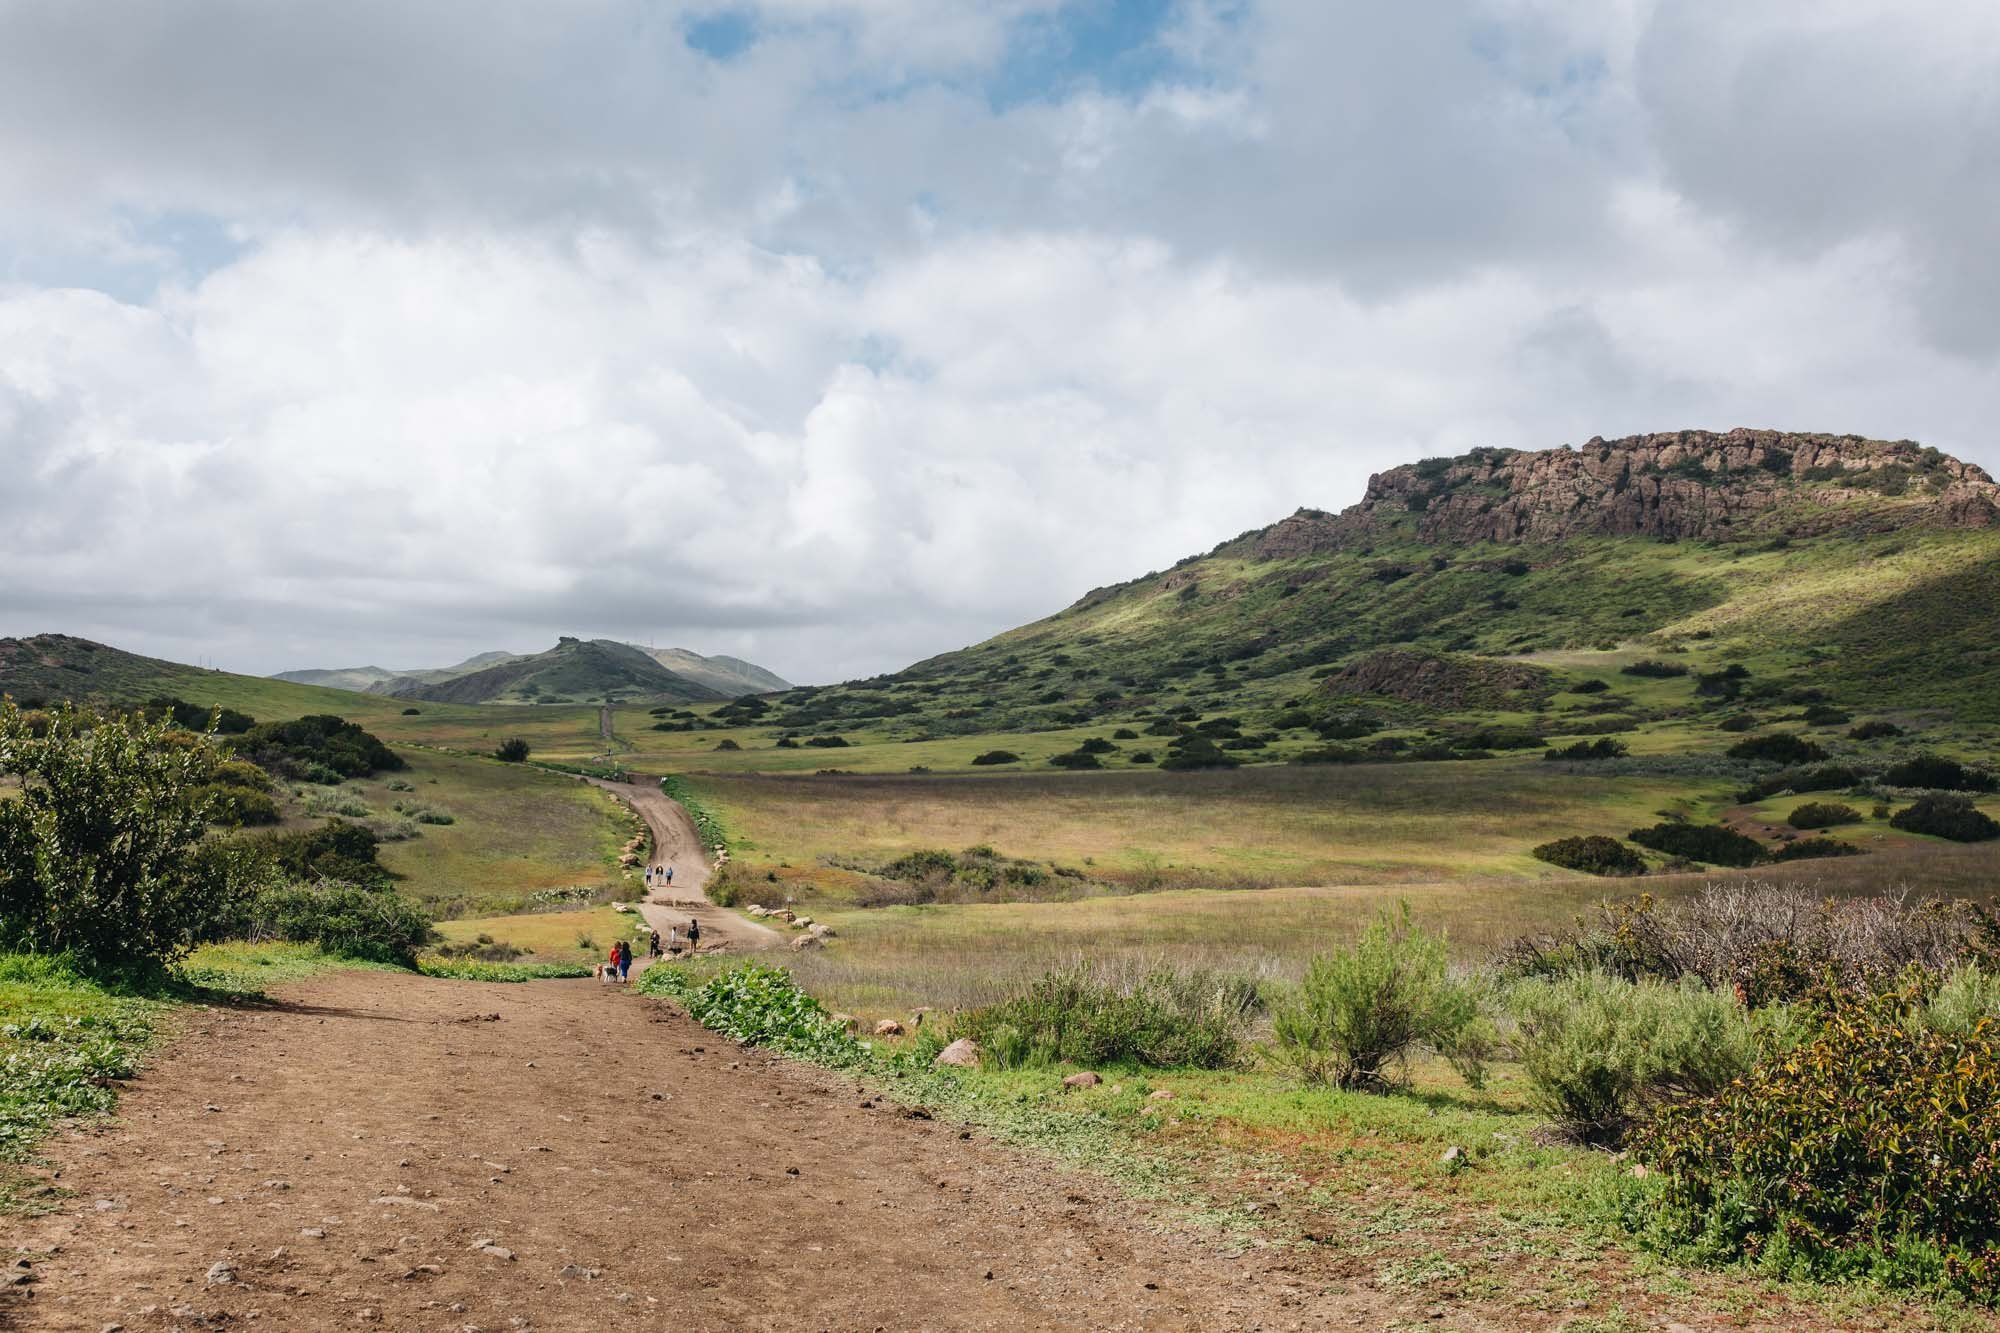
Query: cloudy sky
[{"x": 836, "y": 333}]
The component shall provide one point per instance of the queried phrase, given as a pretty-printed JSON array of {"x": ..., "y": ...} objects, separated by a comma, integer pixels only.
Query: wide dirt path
[
  {"x": 677, "y": 843},
  {"x": 412, "y": 1153}
]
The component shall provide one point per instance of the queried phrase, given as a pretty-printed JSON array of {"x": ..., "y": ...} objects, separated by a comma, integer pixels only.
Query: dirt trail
[
  {"x": 677, "y": 843},
  {"x": 343, "y": 1152}
]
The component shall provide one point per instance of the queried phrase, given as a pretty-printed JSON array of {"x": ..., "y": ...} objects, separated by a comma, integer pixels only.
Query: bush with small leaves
[
  {"x": 1810, "y": 849},
  {"x": 1653, "y": 670},
  {"x": 1594, "y": 854},
  {"x": 1937, "y": 773},
  {"x": 1777, "y": 747},
  {"x": 1822, "y": 814},
  {"x": 1604, "y": 747},
  {"x": 1075, "y": 759},
  {"x": 1944, "y": 815},
  {"x": 1874, "y": 730},
  {"x": 996, "y": 757},
  {"x": 726, "y": 743},
  {"x": 1710, "y": 843},
  {"x": 1737, "y": 722},
  {"x": 1590, "y": 687},
  {"x": 372, "y": 924},
  {"x": 512, "y": 751}
]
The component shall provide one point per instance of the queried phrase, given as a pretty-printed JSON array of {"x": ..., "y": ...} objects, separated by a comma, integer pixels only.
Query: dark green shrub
[
  {"x": 1777, "y": 747},
  {"x": 1822, "y": 814},
  {"x": 1826, "y": 715},
  {"x": 1095, "y": 745},
  {"x": 1937, "y": 773},
  {"x": 826, "y": 742},
  {"x": 1124, "y": 734},
  {"x": 1826, "y": 777},
  {"x": 1865, "y": 1150},
  {"x": 1191, "y": 752},
  {"x": 1075, "y": 759},
  {"x": 228, "y": 722},
  {"x": 1604, "y": 747},
  {"x": 336, "y": 850},
  {"x": 301, "y": 748},
  {"x": 413, "y": 712},
  {"x": 1082, "y": 1015},
  {"x": 1948, "y": 816},
  {"x": 1331, "y": 754},
  {"x": 1654, "y": 670},
  {"x": 237, "y": 807},
  {"x": 1808, "y": 849},
  {"x": 101, "y": 850},
  {"x": 1163, "y": 727},
  {"x": 372, "y": 924},
  {"x": 1601, "y": 1054},
  {"x": 1346, "y": 729},
  {"x": 1141, "y": 757},
  {"x": 1874, "y": 730},
  {"x": 1737, "y": 722},
  {"x": 727, "y": 743},
  {"x": 1590, "y": 687},
  {"x": 1359, "y": 1012},
  {"x": 1710, "y": 843},
  {"x": 512, "y": 751},
  {"x": 996, "y": 757},
  {"x": 1594, "y": 854}
]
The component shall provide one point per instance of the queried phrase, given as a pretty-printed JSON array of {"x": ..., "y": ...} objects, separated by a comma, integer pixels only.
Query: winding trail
[{"x": 677, "y": 843}]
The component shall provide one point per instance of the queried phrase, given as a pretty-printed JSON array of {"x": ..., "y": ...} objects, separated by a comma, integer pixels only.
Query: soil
[
  {"x": 677, "y": 843},
  {"x": 376, "y": 1148}
]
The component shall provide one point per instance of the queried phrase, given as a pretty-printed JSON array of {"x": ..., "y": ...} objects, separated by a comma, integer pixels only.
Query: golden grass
[{"x": 551, "y": 937}]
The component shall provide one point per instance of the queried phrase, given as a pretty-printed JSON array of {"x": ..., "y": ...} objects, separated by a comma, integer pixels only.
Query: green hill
[
  {"x": 728, "y": 675},
  {"x": 1863, "y": 570},
  {"x": 49, "y": 668},
  {"x": 574, "y": 671}
]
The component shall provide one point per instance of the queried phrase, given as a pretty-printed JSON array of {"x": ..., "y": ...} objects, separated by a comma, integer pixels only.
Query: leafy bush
[
  {"x": 1601, "y": 1053},
  {"x": 513, "y": 750},
  {"x": 1808, "y": 849},
  {"x": 759, "y": 1006},
  {"x": 336, "y": 850},
  {"x": 227, "y": 721},
  {"x": 1874, "y": 730},
  {"x": 1822, "y": 814},
  {"x": 1604, "y": 747},
  {"x": 101, "y": 851},
  {"x": 236, "y": 807},
  {"x": 1777, "y": 747},
  {"x": 1075, "y": 759},
  {"x": 1937, "y": 773},
  {"x": 1590, "y": 687},
  {"x": 1594, "y": 854},
  {"x": 372, "y": 924},
  {"x": 996, "y": 757},
  {"x": 1654, "y": 670},
  {"x": 1826, "y": 777},
  {"x": 727, "y": 743},
  {"x": 1083, "y": 1015},
  {"x": 1126, "y": 734},
  {"x": 1942, "y": 815},
  {"x": 1359, "y": 1012},
  {"x": 1737, "y": 722},
  {"x": 312, "y": 746},
  {"x": 826, "y": 742},
  {"x": 1331, "y": 754},
  {"x": 1710, "y": 843},
  {"x": 1140, "y": 757},
  {"x": 1866, "y": 1149},
  {"x": 1826, "y": 715},
  {"x": 1189, "y": 752}
]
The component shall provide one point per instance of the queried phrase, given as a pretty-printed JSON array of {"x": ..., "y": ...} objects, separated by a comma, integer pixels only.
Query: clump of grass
[{"x": 1088, "y": 1015}]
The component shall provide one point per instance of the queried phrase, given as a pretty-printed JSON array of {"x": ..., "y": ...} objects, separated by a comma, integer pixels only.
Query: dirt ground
[
  {"x": 677, "y": 843},
  {"x": 427, "y": 1154}
]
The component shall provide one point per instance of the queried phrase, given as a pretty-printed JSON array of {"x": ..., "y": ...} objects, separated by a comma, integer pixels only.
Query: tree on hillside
[
  {"x": 512, "y": 751},
  {"x": 101, "y": 854}
]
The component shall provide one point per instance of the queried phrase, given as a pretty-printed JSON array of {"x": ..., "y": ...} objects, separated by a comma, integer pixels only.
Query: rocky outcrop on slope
[{"x": 1675, "y": 486}]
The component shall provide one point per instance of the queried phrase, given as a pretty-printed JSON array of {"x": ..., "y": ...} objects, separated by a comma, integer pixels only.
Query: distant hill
[
  {"x": 50, "y": 668},
  {"x": 356, "y": 679},
  {"x": 730, "y": 675},
  {"x": 574, "y": 671},
  {"x": 1866, "y": 570}
]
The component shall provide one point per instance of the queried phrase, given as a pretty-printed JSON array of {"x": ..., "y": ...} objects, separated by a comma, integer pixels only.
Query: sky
[{"x": 837, "y": 333}]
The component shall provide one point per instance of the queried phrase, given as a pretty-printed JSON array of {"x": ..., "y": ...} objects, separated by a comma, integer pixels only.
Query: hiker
[
  {"x": 657, "y": 951},
  {"x": 624, "y": 961},
  {"x": 670, "y": 876},
  {"x": 694, "y": 935}
]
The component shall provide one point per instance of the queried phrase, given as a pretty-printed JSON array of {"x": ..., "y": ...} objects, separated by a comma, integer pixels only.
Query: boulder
[
  {"x": 821, "y": 931},
  {"x": 888, "y": 1027},
  {"x": 804, "y": 942},
  {"x": 1084, "y": 1080},
  {"x": 962, "y": 1054},
  {"x": 1160, "y": 1095}
]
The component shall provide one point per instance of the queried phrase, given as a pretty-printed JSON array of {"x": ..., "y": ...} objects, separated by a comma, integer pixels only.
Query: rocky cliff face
[{"x": 1679, "y": 485}]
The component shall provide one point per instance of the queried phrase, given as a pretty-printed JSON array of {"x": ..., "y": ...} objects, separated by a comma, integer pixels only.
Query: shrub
[
  {"x": 1936, "y": 773},
  {"x": 1346, "y": 728},
  {"x": 1874, "y": 730},
  {"x": 309, "y": 746},
  {"x": 236, "y": 807},
  {"x": 1191, "y": 752},
  {"x": 1124, "y": 734},
  {"x": 1808, "y": 849},
  {"x": 1737, "y": 722},
  {"x": 1594, "y": 854},
  {"x": 1826, "y": 715},
  {"x": 826, "y": 742},
  {"x": 727, "y": 743},
  {"x": 1140, "y": 757},
  {"x": 996, "y": 757},
  {"x": 1654, "y": 670},
  {"x": 758, "y": 1006},
  {"x": 1590, "y": 687},
  {"x": 1085, "y": 1015},
  {"x": 1075, "y": 759},
  {"x": 1965, "y": 997},
  {"x": 1096, "y": 745},
  {"x": 1601, "y": 1053},
  {"x": 1604, "y": 747},
  {"x": 1331, "y": 754},
  {"x": 371, "y": 924},
  {"x": 1710, "y": 843},
  {"x": 1822, "y": 814},
  {"x": 1359, "y": 1012},
  {"x": 413, "y": 712},
  {"x": 1864, "y": 1149},
  {"x": 1777, "y": 747},
  {"x": 424, "y": 813},
  {"x": 1942, "y": 815},
  {"x": 194, "y": 717},
  {"x": 101, "y": 850},
  {"x": 336, "y": 850},
  {"x": 514, "y": 750}
]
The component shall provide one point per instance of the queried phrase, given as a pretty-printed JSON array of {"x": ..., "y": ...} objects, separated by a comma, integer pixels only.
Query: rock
[
  {"x": 313, "y": 1233},
  {"x": 497, "y": 1251},
  {"x": 804, "y": 942},
  {"x": 1160, "y": 1095},
  {"x": 961, "y": 1054},
  {"x": 1454, "y": 1157},
  {"x": 1084, "y": 1080},
  {"x": 822, "y": 931},
  {"x": 1639, "y": 1171},
  {"x": 803, "y": 922},
  {"x": 888, "y": 1027},
  {"x": 221, "y": 1273}
]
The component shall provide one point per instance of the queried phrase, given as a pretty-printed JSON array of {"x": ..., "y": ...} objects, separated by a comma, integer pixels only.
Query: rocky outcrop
[
  {"x": 1439, "y": 681},
  {"x": 1675, "y": 486}
]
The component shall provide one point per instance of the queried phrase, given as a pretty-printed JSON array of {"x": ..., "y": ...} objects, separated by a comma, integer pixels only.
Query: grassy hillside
[{"x": 574, "y": 671}]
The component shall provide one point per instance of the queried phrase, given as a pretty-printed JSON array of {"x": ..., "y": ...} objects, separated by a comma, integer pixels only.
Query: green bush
[
  {"x": 513, "y": 750},
  {"x": 758, "y": 1006},
  {"x": 476, "y": 969},
  {"x": 1600, "y": 1053},
  {"x": 1777, "y": 747},
  {"x": 101, "y": 850},
  {"x": 1590, "y": 687},
  {"x": 1942, "y": 815},
  {"x": 336, "y": 850},
  {"x": 1081, "y": 1015},
  {"x": 1874, "y": 730},
  {"x": 826, "y": 742},
  {"x": 1359, "y": 1012},
  {"x": 194, "y": 717},
  {"x": 727, "y": 744},
  {"x": 1710, "y": 843},
  {"x": 1096, "y": 745},
  {"x": 1808, "y": 849},
  {"x": 1196, "y": 751},
  {"x": 1604, "y": 747},
  {"x": 1965, "y": 997},
  {"x": 1863, "y": 1150},
  {"x": 996, "y": 757},
  {"x": 372, "y": 924},
  {"x": 1737, "y": 722},
  {"x": 312, "y": 746},
  {"x": 1654, "y": 670},
  {"x": 1822, "y": 814},
  {"x": 1937, "y": 773},
  {"x": 236, "y": 807},
  {"x": 1075, "y": 759},
  {"x": 1594, "y": 854}
]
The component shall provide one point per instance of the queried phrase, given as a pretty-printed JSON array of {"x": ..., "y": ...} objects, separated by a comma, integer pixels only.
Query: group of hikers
[
  {"x": 663, "y": 876},
  {"x": 619, "y": 965}
]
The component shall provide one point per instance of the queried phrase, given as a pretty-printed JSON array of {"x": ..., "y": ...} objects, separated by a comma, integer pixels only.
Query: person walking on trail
[
  {"x": 694, "y": 935},
  {"x": 670, "y": 876},
  {"x": 673, "y": 939},
  {"x": 656, "y": 951},
  {"x": 611, "y": 968},
  {"x": 624, "y": 961}
]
